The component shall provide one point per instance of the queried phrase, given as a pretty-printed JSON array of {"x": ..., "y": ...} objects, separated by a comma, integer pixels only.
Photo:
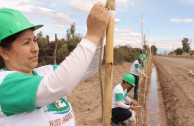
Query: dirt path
[
  {"x": 86, "y": 98},
  {"x": 177, "y": 89}
]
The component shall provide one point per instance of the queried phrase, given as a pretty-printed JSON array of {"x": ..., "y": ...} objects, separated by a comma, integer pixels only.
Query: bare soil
[
  {"x": 86, "y": 98},
  {"x": 175, "y": 83},
  {"x": 177, "y": 87}
]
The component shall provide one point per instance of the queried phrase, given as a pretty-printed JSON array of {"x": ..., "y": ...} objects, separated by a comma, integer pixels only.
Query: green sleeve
[
  {"x": 144, "y": 58},
  {"x": 119, "y": 97},
  {"x": 140, "y": 56},
  {"x": 18, "y": 93},
  {"x": 137, "y": 66}
]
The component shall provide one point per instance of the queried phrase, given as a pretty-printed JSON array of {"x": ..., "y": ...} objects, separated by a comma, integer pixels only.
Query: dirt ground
[
  {"x": 86, "y": 98},
  {"x": 177, "y": 87}
]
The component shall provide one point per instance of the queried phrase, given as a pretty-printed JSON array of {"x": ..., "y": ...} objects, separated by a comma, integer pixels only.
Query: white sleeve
[
  {"x": 94, "y": 65},
  {"x": 67, "y": 75},
  {"x": 128, "y": 100},
  {"x": 138, "y": 70},
  {"x": 122, "y": 105}
]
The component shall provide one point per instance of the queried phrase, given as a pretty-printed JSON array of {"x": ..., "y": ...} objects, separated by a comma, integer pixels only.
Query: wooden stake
[
  {"x": 55, "y": 51},
  {"x": 107, "y": 104}
]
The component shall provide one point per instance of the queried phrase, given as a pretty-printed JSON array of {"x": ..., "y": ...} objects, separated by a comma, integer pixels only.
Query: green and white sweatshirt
[
  {"x": 40, "y": 100},
  {"x": 135, "y": 68},
  {"x": 120, "y": 97}
]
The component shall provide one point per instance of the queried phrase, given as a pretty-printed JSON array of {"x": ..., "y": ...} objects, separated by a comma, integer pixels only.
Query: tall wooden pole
[
  {"x": 142, "y": 34},
  {"x": 107, "y": 103}
]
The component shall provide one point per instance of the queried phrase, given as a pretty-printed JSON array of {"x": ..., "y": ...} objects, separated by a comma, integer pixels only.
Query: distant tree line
[
  {"x": 66, "y": 45},
  {"x": 154, "y": 49},
  {"x": 125, "y": 53},
  {"x": 185, "y": 48}
]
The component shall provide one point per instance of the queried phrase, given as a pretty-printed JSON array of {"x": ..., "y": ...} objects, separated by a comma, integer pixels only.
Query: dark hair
[
  {"x": 125, "y": 81},
  {"x": 1, "y": 62},
  {"x": 6, "y": 43}
]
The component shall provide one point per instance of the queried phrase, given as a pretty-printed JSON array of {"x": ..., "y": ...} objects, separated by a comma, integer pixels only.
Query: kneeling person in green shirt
[{"x": 121, "y": 103}]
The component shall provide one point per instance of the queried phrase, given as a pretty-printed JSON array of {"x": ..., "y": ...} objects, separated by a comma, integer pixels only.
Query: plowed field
[{"x": 177, "y": 85}]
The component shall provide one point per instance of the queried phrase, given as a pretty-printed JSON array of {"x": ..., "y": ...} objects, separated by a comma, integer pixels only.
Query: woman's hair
[
  {"x": 6, "y": 43},
  {"x": 1, "y": 62}
]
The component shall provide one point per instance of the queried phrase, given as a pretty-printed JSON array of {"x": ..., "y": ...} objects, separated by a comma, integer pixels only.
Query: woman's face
[{"x": 23, "y": 54}]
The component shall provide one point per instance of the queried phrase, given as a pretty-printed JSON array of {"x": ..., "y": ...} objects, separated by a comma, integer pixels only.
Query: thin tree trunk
[{"x": 55, "y": 50}]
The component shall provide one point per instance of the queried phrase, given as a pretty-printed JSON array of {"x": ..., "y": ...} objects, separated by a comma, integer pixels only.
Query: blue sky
[{"x": 165, "y": 22}]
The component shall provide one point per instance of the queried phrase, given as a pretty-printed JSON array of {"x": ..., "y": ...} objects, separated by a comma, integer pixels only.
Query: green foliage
[
  {"x": 119, "y": 55},
  {"x": 62, "y": 53},
  {"x": 154, "y": 49},
  {"x": 61, "y": 42},
  {"x": 146, "y": 47},
  {"x": 45, "y": 60},
  {"x": 179, "y": 51},
  {"x": 65, "y": 46},
  {"x": 72, "y": 39},
  {"x": 45, "y": 52},
  {"x": 43, "y": 42},
  {"x": 125, "y": 53},
  {"x": 191, "y": 52},
  {"x": 68, "y": 44},
  {"x": 186, "y": 46}
]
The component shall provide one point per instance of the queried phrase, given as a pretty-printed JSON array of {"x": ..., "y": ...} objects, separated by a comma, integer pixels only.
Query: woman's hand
[{"x": 97, "y": 22}]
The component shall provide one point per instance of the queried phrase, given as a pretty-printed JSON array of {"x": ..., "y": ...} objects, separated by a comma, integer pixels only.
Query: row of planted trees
[{"x": 55, "y": 51}]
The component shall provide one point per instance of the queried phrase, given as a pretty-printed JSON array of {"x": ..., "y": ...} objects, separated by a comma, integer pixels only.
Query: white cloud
[
  {"x": 134, "y": 40},
  {"x": 6, "y": 4},
  {"x": 81, "y": 5},
  {"x": 125, "y": 3},
  {"x": 86, "y": 5},
  {"x": 181, "y": 20},
  {"x": 61, "y": 18},
  {"x": 189, "y": 1},
  {"x": 126, "y": 33},
  {"x": 168, "y": 45},
  {"x": 37, "y": 12},
  {"x": 52, "y": 29},
  {"x": 121, "y": 3},
  {"x": 127, "y": 37},
  {"x": 54, "y": 17},
  {"x": 54, "y": 5},
  {"x": 117, "y": 20}
]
